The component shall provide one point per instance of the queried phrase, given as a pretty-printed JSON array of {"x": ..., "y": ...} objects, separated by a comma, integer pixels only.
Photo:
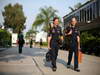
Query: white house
[{"x": 41, "y": 35}]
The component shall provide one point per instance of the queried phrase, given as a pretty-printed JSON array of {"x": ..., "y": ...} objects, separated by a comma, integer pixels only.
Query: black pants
[
  {"x": 75, "y": 51},
  {"x": 30, "y": 45},
  {"x": 54, "y": 52},
  {"x": 20, "y": 48}
]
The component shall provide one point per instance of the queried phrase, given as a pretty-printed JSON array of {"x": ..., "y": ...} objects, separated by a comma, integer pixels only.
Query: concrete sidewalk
[
  {"x": 32, "y": 62},
  {"x": 12, "y": 63},
  {"x": 2, "y": 49},
  {"x": 89, "y": 66}
]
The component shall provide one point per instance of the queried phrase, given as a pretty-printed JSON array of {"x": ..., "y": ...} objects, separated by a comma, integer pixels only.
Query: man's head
[
  {"x": 56, "y": 21},
  {"x": 73, "y": 21}
]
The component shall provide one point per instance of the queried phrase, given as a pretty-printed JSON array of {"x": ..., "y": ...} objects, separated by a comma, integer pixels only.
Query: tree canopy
[
  {"x": 14, "y": 17},
  {"x": 44, "y": 17}
]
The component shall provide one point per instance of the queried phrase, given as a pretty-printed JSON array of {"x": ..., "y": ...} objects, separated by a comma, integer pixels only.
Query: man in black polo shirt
[
  {"x": 54, "y": 38},
  {"x": 74, "y": 44}
]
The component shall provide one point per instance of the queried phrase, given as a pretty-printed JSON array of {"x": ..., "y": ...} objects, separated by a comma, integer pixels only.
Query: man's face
[
  {"x": 74, "y": 21},
  {"x": 56, "y": 22}
]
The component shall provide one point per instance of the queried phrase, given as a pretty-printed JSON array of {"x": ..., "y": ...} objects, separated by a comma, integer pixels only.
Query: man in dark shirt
[
  {"x": 54, "y": 37},
  {"x": 74, "y": 44},
  {"x": 31, "y": 43},
  {"x": 20, "y": 41}
]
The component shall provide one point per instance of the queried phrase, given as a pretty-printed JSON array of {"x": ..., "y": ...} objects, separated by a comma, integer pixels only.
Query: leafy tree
[
  {"x": 44, "y": 17},
  {"x": 75, "y": 7},
  {"x": 14, "y": 17},
  {"x": 30, "y": 33},
  {"x": 78, "y": 5},
  {"x": 72, "y": 9},
  {"x": 5, "y": 38}
]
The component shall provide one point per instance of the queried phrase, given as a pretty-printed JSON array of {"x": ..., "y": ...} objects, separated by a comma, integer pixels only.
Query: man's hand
[
  {"x": 79, "y": 48},
  {"x": 49, "y": 48},
  {"x": 69, "y": 33}
]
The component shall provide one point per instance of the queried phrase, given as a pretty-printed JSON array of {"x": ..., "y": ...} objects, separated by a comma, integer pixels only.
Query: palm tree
[
  {"x": 78, "y": 5},
  {"x": 71, "y": 8},
  {"x": 44, "y": 17}
]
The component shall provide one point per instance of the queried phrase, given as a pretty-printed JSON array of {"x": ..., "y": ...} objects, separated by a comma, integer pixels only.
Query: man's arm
[
  {"x": 69, "y": 33},
  {"x": 49, "y": 41},
  {"x": 78, "y": 41}
]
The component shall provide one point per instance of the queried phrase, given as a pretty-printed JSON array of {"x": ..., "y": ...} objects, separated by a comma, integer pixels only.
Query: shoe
[
  {"x": 54, "y": 69},
  {"x": 68, "y": 66},
  {"x": 76, "y": 69}
]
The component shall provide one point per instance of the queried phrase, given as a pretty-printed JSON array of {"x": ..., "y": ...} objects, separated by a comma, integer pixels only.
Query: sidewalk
[
  {"x": 32, "y": 62},
  {"x": 12, "y": 63},
  {"x": 2, "y": 49},
  {"x": 89, "y": 66}
]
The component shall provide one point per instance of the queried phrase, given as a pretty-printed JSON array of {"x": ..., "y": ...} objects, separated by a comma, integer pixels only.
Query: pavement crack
[{"x": 42, "y": 73}]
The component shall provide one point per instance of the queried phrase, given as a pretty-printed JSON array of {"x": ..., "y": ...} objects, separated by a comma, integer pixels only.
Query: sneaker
[
  {"x": 68, "y": 66},
  {"x": 54, "y": 69},
  {"x": 76, "y": 69}
]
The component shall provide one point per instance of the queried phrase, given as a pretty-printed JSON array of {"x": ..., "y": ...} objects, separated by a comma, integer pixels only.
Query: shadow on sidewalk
[
  {"x": 12, "y": 54},
  {"x": 35, "y": 52},
  {"x": 48, "y": 64}
]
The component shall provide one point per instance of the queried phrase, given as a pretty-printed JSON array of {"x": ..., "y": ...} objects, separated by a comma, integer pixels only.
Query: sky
[{"x": 31, "y": 8}]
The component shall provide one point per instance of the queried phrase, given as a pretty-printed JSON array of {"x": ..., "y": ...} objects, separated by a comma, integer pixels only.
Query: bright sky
[{"x": 31, "y": 8}]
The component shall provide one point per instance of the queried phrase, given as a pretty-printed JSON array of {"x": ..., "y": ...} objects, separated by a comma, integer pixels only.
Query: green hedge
[
  {"x": 5, "y": 38},
  {"x": 90, "y": 40},
  {"x": 45, "y": 44}
]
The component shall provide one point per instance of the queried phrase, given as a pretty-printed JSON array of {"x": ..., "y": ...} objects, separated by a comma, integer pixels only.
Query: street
[{"x": 32, "y": 62}]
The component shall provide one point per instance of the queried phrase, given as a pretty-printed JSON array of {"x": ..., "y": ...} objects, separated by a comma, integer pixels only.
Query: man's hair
[
  {"x": 74, "y": 17},
  {"x": 55, "y": 18},
  {"x": 71, "y": 20}
]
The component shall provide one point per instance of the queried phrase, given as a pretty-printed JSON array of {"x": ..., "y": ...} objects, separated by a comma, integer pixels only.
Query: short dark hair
[{"x": 55, "y": 18}]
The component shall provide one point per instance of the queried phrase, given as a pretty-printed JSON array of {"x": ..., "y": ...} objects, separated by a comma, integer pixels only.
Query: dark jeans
[
  {"x": 20, "y": 48},
  {"x": 75, "y": 51},
  {"x": 54, "y": 52}
]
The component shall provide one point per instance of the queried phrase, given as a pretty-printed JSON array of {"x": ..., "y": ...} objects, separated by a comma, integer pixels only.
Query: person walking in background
[
  {"x": 74, "y": 44},
  {"x": 54, "y": 36},
  {"x": 20, "y": 41},
  {"x": 31, "y": 43},
  {"x": 41, "y": 43}
]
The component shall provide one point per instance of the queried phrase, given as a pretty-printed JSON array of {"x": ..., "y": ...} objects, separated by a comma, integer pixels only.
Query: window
[
  {"x": 80, "y": 15},
  {"x": 91, "y": 12},
  {"x": 85, "y": 15},
  {"x": 94, "y": 10},
  {"x": 97, "y": 7},
  {"x": 88, "y": 14}
]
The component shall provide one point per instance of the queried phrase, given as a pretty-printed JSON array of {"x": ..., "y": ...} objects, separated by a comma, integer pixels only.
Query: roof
[{"x": 80, "y": 7}]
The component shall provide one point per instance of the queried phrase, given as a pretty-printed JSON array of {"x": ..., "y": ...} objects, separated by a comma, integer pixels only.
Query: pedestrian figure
[
  {"x": 31, "y": 43},
  {"x": 41, "y": 43},
  {"x": 74, "y": 44},
  {"x": 20, "y": 41},
  {"x": 54, "y": 36}
]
